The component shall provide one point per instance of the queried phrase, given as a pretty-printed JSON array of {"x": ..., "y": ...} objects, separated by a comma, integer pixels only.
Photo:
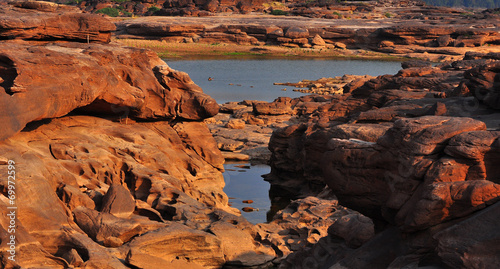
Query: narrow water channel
[{"x": 244, "y": 182}]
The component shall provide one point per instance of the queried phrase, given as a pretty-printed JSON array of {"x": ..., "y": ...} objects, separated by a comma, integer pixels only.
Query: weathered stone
[
  {"x": 100, "y": 226},
  {"x": 175, "y": 242},
  {"x": 235, "y": 124},
  {"x": 318, "y": 41},
  {"x": 278, "y": 107},
  {"x": 297, "y": 32},
  {"x": 443, "y": 201},
  {"x": 338, "y": 230},
  {"x": 444, "y": 41},
  {"x": 54, "y": 24},
  {"x": 428, "y": 134},
  {"x": 119, "y": 93},
  {"x": 340, "y": 45},
  {"x": 73, "y": 258},
  {"x": 472, "y": 242},
  {"x": 74, "y": 198},
  {"x": 238, "y": 245}
]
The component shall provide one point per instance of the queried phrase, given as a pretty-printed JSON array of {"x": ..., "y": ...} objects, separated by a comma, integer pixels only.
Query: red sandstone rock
[
  {"x": 296, "y": 32},
  {"x": 131, "y": 88},
  {"x": 118, "y": 201},
  {"x": 482, "y": 81},
  {"x": 279, "y": 107},
  {"x": 27, "y": 24},
  {"x": 471, "y": 242},
  {"x": 439, "y": 202},
  {"x": 427, "y": 135},
  {"x": 155, "y": 248},
  {"x": 423, "y": 177}
]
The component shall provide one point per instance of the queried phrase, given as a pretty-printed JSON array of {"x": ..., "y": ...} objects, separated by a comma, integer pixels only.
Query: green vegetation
[
  {"x": 112, "y": 12},
  {"x": 465, "y": 3},
  {"x": 153, "y": 9},
  {"x": 73, "y": 2},
  {"x": 126, "y": 13},
  {"x": 279, "y": 12},
  {"x": 388, "y": 15}
]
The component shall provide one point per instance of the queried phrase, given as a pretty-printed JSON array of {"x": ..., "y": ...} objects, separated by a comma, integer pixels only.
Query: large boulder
[
  {"x": 483, "y": 82},
  {"x": 175, "y": 242},
  {"x": 137, "y": 84},
  {"x": 295, "y": 32}
]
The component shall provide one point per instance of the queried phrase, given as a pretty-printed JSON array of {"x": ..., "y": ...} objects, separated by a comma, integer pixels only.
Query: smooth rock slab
[
  {"x": 175, "y": 242},
  {"x": 472, "y": 243}
]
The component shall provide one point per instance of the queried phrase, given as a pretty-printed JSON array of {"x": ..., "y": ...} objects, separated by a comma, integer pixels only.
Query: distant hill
[{"x": 465, "y": 3}]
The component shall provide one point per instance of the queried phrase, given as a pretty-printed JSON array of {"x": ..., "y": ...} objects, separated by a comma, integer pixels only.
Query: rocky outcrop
[
  {"x": 434, "y": 33},
  {"x": 413, "y": 151},
  {"x": 242, "y": 130},
  {"x": 115, "y": 167},
  {"x": 48, "y": 21},
  {"x": 111, "y": 165},
  {"x": 136, "y": 94}
]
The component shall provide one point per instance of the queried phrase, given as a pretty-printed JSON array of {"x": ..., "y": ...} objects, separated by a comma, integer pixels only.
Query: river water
[
  {"x": 237, "y": 80},
  {"x": 244, "y": 182}
]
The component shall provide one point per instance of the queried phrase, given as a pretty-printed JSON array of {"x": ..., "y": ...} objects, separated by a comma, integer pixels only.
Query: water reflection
[
  {"x": 244, "y": 182},
  {"x": 238, "y": 80}
]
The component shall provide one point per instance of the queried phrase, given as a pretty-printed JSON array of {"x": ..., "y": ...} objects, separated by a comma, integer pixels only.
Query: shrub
[
  {"x": 278, "y": 12},
  {"x": 112, "y": 12},
  {"x": 153, "y": 9},
  {"x": 73, "y": 2}
]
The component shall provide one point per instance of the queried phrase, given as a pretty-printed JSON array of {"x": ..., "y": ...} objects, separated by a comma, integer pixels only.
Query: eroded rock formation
[
  {"x": 114, "y": 166},
  {"x": 415, "y": 151}
]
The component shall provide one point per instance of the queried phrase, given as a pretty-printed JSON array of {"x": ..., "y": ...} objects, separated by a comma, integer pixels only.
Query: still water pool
[
  {"x": 244, "y": 182},
  {"x": 237, "y": 80}
]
